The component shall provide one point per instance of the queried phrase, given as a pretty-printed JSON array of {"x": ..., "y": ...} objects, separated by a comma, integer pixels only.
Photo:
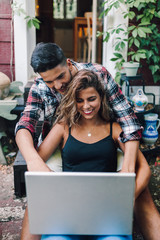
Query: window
[{"x": 64, "y": 9}]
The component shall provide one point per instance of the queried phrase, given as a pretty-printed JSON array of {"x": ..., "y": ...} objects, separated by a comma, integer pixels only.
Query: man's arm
[
  {"x": 127, "y": 119},
  {"x": 25, "y": 143},
  {"x": 26, "y": 130},
  {"x": 32, "y": 112}
]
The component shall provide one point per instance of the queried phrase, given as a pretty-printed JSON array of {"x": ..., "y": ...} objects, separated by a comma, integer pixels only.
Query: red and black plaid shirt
[{"x": 44, "y": 101}]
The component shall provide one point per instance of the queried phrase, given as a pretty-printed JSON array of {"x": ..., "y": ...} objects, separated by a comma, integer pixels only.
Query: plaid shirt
[{"x": 42, "y": 99}]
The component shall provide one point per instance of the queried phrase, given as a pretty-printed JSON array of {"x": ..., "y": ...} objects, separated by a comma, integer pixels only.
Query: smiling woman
[
  {"x": 88, "y": 102},
  {"x": 85, "y": 95},
  {"x": 85, "y": 134}
]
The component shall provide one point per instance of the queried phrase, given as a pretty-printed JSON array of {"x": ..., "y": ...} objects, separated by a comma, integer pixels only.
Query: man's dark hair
[{"x": 47, "y": 56}]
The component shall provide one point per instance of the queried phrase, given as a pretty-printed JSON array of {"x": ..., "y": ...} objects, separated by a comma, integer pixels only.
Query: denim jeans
[{"x": 77, "y": 237}]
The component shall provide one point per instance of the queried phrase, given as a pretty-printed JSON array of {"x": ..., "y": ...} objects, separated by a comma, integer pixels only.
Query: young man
[
  {"x": 55, "y": 73},
  {"x": 45, "y": 95}
]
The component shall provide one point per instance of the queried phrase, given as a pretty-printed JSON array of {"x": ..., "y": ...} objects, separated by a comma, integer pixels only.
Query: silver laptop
[{"x": 80, "y": 203}]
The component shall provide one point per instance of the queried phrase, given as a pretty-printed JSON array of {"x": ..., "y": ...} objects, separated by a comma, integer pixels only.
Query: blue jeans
[{"x": 77, "y": 237}]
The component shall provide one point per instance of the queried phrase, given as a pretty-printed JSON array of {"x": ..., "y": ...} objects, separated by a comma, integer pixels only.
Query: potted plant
[
  {"x": 131, "y": 68},
  {"x": 141, "y": 35}
]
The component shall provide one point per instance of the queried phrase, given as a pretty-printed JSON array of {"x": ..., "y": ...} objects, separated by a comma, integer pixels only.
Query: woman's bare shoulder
[{"x": 61, "y": 127}]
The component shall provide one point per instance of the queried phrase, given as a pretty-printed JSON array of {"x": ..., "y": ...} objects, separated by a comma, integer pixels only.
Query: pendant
[{"x": 89, "y": 134}]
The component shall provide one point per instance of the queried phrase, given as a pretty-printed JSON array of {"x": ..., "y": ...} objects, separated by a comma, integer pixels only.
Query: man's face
[{"x": 58, "y": 78}]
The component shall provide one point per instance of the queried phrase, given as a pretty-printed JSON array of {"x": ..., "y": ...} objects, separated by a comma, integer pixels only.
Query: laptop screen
[{"x": 80, "y": 203}]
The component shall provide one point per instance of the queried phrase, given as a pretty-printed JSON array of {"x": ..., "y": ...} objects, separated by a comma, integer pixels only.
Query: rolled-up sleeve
[
  {"x": 122, "y": 110},
  {"x": 31, "y": 114}
]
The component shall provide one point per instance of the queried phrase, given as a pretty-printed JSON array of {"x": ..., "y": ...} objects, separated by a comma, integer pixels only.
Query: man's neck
[{"x": 74, "y": 70}]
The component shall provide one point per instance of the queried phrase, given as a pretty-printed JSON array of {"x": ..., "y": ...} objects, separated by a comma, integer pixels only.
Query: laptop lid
[{"x": 80, "y": 203}]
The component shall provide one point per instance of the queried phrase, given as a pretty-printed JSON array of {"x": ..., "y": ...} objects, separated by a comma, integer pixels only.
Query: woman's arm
[
  {"x": 142, "y": 170},
  {"x": 125, "y": 116},
  {"x": 143, "y": 174},
  {"x": 51, "y": 142}
]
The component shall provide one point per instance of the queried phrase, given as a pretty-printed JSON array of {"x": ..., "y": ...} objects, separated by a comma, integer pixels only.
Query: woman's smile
[
  {"x": 87, "y": 112},
  {"x": 88, "y": 102}
]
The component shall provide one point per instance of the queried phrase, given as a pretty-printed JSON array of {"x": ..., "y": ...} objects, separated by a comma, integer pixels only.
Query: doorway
[{"x": 57, "y": 21}]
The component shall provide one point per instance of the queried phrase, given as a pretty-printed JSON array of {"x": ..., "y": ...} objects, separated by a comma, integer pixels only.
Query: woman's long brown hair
[{"x": 67, "y": 111}]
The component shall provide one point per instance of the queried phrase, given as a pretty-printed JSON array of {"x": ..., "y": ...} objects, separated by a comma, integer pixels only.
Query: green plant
[
  {"x": 141, "y": 35},
  {"x": 17, "y": 9},
  {"x": 5, "y": 149}
]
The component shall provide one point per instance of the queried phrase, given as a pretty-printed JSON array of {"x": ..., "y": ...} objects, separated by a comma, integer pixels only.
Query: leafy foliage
[
  {"x": 142, "y": 36},
  {"x": 17, "y": 9}
]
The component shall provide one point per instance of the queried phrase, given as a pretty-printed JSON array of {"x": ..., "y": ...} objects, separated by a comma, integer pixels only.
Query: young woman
[{"x": 87, "y": 137}]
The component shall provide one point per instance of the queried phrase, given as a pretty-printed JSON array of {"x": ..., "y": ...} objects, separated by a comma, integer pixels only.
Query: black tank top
[{"x": 100, "y": 156}]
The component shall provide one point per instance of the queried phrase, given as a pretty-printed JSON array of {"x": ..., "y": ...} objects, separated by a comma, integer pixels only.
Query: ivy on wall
[{"x": 142, "y": 36}]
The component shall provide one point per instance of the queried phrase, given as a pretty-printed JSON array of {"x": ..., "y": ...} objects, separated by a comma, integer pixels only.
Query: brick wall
[{"x": 6, "y": 48}]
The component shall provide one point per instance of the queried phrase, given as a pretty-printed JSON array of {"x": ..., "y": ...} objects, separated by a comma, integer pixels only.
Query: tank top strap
[{"x": 111, "y": 129}]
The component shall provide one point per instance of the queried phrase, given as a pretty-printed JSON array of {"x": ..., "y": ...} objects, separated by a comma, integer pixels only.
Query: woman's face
[{"x": 88, "y": 103}]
